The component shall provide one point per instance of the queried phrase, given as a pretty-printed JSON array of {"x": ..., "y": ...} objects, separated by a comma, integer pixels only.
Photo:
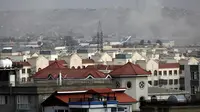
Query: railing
[
  {"x": 74, "y": 82},
  {"x": 4, "y": 83},
  {"x": 23, "y": 106},
  {"x": 92, "y": 99}
]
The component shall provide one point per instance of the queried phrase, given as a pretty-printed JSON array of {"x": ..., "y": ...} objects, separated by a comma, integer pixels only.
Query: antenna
[{"x": 99, "y": 38}]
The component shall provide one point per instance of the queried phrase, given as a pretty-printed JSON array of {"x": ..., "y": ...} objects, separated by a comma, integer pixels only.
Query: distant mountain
[{"x": 172, "y": 23}]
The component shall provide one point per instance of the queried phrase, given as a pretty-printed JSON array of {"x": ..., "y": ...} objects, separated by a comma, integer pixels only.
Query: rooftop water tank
[
  {"x": 177, "y": 99},
  {"x": 5, "y": 63}
]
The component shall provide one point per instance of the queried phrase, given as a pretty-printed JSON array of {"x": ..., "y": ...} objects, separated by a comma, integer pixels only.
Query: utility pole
[{"x": 99, "y": 38}]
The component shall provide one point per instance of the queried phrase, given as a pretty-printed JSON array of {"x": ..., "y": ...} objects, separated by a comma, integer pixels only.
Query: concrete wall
[
  {"x": 135, "y": 91},
  {"x": 53, "y": 108}
]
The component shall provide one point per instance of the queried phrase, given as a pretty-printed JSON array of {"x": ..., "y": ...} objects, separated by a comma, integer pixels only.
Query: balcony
[
  {"x": 23, "y": 106},
  {"x": 92, "y": 102}
]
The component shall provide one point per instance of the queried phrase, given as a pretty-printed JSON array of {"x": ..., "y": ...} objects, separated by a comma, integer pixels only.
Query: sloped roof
[
  {"x": 55, "y": 68},
  {"x": 121, "y": 97},
  {"x": 84, "y": 61},
  {"x": 104, "y": 67},
  {"x": 169, "y": 65},
  {"x": 23, "y": 63},
  {"x": 56, "y": 64},
  {"x": 63, "y": 62},
  {"x": 129, "y": 69}
]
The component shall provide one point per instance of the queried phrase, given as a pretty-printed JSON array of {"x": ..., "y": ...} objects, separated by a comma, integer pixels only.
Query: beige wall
[{"x": 75, "y": 61}]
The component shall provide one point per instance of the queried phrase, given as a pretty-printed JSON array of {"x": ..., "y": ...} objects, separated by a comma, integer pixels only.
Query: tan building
[
  {"x": 73, "y": 60},
  {"x": 38, "y": 63}
]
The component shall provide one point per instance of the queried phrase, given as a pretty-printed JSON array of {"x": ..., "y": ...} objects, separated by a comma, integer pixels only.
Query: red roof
[
  {"x": 55, "y": 68},
  {"x": 63, "y": 62},
  {"x": 104, "y": 67},
  {"x": 23, "y": 63},
  {"x": 120, "y": 95},
  {"x": 56, "y": 64},
  {"x": 84, "y": 61},
  {"x": 168, "y": 65},
  {"x": 129, "y": 69}
]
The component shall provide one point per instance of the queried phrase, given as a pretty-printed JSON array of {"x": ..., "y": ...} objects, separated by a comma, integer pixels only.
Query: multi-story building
[
  {"x": 191, "y": 79},
  {"x": 163, "y": 74},
  {"x": 24, "y": 71}
]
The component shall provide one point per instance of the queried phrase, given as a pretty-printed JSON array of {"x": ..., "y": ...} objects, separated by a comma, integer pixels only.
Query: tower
[{"x": 99, "y": 38}]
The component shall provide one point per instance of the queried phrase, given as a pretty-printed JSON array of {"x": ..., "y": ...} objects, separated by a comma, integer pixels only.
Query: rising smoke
[{"x": 148, "y": 19}]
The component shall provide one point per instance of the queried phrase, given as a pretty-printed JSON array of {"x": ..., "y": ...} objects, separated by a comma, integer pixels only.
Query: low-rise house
[
  {"x": 72, "y": 60},
  {"x": 24, "y": 72},
  {"x": 90, "y": 100},
  {"x": 38, "y": 63},
  {"x": 50, "y": 55},
  {"x": 121, "y": 59},
  {"x": 136, "y": 56},
  {"x": 83, "y": 53},
  {"x": 87, "y": 62},
  {"x": 193, "y": 61},
  {"x": 102, "y": 57}
]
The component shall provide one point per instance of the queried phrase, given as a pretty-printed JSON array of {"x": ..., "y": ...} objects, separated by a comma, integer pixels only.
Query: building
[
  {"x": 87, "y": 62},
  {"x": 15, "y": 98},
  {"x": 135, "y": 79},
  {"x": 72, "y": 60},
  {"x": 24, "y": 72},
  {"x": 38, "y": 63},
  {"x": 49, "y": 54},
  {"x": 89, "y": 100},
  {"x": 121, "y": 59},
  {"x": 163, "y": 74},
  {"x": 191, "y": 80}
]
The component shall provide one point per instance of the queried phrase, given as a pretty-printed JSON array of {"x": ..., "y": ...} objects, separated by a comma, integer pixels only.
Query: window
[
  {"x": 170, "y": 81},
  {"x": 155, "y": 83},
  {"x": 150, "y": 82},
  {"x": 170, "y": 72},
  {"x": 160, "y": 72},
  {"x": 194, "y": 89},
  {"x": 175, "y": 72},
  {"x": 163, "y": 82},
  {"x": 165, "y": 72},
  {"x": 180, "y": 71},
  {"x": 3, "y": 99},
  {"x": 128, "y": 84},
  {"x": 23, "y": 79},
  {"x": 176, "y": 81},
  {"x": 23, "y": 102},
  {"x": 194, "y": 75},
  {"x": 155, "y": 73},
  {"x": 23, "y": 70},
  {"x": 29, "y": 70},
  {"x": 118, "y": 84}
]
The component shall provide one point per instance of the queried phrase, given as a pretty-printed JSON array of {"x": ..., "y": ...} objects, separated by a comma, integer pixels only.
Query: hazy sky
[{"x": 54, "y": 4}]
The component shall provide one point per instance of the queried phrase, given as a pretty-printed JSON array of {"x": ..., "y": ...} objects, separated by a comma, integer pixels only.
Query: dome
[{"x": 5, "y": 63}]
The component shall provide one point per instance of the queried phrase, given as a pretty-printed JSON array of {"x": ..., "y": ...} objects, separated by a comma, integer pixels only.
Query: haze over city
[{"x": 171, "y": 19}]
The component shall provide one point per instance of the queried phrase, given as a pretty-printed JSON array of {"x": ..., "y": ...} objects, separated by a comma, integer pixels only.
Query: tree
[
  {"x": 149, "y": 42},
  {"x": 142, "y": 42},
  {"x": 159, "y": 42}
]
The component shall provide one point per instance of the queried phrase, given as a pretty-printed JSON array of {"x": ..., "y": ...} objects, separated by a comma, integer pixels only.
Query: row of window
[
  {"x": 164, "y": 82},
  {"x": 24, "y": 70},
  {"x": 170, "y": 72}
]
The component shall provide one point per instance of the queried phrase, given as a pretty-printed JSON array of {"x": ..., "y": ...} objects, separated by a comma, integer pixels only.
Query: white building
[
  {"x": 135, "y": 79},
  {"x": 163, "y": 74}
]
